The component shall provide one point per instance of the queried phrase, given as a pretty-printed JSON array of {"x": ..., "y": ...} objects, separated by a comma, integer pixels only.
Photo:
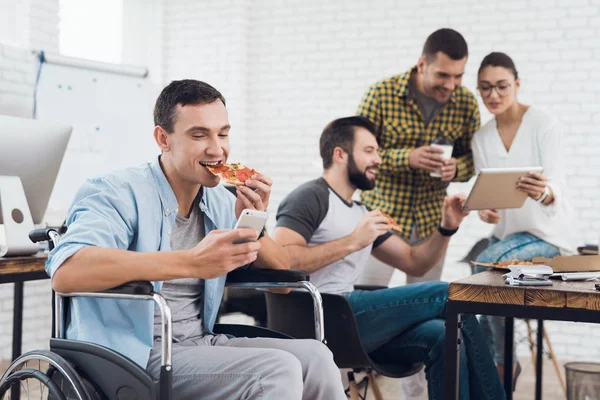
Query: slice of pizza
[
  {"x": 502, "y": 264},
  {"x": 512, "y": 262},
  {"x": 234, "y": 173},
  {"x": 392, "y": 222}
]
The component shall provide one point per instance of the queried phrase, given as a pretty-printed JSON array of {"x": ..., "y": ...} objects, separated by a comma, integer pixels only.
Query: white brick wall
[
  {"x": 17, "y": 78},
  {"x": 288, "y": 68},
  {"x": 43, "y": 25},
  {"x": 217, "y": 59},
  {"x": 33, "y": 25}
]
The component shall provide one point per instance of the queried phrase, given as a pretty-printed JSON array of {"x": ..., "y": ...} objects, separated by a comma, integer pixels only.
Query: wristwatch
[
  {"x": 446, "y": 232},
  {"x": 544, "y": 195}
]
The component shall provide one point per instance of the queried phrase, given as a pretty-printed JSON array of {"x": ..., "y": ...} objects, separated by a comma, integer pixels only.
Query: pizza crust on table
[
  {"x": 502, "y": 264},
  {"x": 234, "y": 173}
]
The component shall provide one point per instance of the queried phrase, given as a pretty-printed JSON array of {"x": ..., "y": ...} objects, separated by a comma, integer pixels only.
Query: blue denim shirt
[{"x": 132, "y": 209}]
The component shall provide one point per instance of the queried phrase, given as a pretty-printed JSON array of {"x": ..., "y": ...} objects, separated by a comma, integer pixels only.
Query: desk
[
  {"x": 486, "y": 293},
  {"x": 18, "y": 270}
]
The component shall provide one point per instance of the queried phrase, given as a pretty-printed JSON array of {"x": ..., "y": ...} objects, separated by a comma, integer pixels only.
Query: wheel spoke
[
  {"x": 41, "y": 386},
  {"x": 24, "y": 387}
]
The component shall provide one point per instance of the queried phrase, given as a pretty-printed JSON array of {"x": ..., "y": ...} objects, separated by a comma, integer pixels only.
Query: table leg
[
  {"x": 17, "y": 319},
  {"x": 451, "y": 372},
  {"x": 508, "y": 356},
  {"x": 17, "y": 329},
  {"x": 539, "y": 359}
]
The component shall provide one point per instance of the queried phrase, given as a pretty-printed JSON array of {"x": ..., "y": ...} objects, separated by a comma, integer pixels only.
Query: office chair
[{"x": 341, "y": 335}]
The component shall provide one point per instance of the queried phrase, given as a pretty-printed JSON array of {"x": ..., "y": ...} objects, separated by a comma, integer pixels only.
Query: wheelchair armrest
[
  {"x": 133, "y": 288},
  {"x": 251, "y": 275},
  {"x": 369, "y": 287},
  {"x": 143, "y": 289}
]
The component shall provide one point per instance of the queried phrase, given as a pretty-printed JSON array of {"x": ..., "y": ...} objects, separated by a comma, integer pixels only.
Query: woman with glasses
[{"x": 520, "y": 135}]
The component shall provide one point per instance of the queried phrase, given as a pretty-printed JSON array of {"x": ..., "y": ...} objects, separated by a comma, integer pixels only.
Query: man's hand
[
  {"x": 426, "y": 157},
  {"x": 452, "y": 211},
  {"x": 449, "y": 170},
  {"x": 216, "y": 255},
  {"x": 489, "y": 216},
  {"x": 370, "y": 227},
  {"x": 533, "y": 184},
  {"x": 254, "y": 200}
]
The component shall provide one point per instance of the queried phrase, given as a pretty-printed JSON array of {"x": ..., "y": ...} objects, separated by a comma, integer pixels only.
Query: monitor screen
[{"x": 33, "y": 150}]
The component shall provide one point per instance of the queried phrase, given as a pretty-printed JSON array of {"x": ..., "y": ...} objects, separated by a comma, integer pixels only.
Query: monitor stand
[{"x": 16, "y": 217}]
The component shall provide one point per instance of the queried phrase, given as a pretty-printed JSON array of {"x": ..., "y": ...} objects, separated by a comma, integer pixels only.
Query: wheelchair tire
[{"x": 29, "y": 366}]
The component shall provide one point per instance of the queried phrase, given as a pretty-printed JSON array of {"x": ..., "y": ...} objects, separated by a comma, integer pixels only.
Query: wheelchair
[{"x": 75, "y": 370}]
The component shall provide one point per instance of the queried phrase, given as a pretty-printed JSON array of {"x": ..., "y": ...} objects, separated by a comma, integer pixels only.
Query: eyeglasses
[{"x": 503, "y": 89}]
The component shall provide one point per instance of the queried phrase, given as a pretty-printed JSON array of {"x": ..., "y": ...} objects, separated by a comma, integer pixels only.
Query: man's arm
[
  {"x": 93, "y": 255},
  {"x": 271, "y": 255},
  {"x": 413, "y": 260},
  {"x": 95, "y": 268},
  {"x": 462, "y": 148},
  {"x": 417, "y": 260},
  {"x": 313, "y": 258}
]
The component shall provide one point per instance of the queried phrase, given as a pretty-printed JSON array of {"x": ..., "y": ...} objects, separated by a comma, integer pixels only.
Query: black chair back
[{"x": 292, "y": 314}]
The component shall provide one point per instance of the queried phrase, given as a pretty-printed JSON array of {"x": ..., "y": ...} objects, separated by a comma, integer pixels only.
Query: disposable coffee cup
[{"x": 447, "y": 146}]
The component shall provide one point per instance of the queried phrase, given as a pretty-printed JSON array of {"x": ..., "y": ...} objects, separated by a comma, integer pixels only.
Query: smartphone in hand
[{"x": 252, "y": 219}]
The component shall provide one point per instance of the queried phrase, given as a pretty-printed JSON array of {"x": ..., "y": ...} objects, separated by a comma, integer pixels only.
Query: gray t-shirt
[
  {"x": 320, "y": 215},
  {"x": 428, "y": 106},
  {"x": 185, "y": 296}
]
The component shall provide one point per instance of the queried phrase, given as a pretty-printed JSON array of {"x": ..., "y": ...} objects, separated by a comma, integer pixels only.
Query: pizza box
[
  {"x": 570, "y": 263},
  {"x": 559, "y": 263}
]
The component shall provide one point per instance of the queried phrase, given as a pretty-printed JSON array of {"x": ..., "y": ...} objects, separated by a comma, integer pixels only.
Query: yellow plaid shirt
[{"x": 410, "y": 196}]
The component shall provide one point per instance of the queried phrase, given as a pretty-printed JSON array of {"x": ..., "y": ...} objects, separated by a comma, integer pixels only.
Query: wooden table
[
  {"x": 486, "y": 293},
  {"x": 18, "y": 270}
]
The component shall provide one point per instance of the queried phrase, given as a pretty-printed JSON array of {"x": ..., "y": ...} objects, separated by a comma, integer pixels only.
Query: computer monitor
[{"x": 33, "y": 151}]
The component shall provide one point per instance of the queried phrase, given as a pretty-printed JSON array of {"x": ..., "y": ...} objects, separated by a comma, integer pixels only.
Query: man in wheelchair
[
  {"x": 331, "y": 236},
  {"x": 169, "y": 222}
]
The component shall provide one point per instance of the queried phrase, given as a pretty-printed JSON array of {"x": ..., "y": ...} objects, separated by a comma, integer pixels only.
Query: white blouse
[{"x": 537, "y": 143}]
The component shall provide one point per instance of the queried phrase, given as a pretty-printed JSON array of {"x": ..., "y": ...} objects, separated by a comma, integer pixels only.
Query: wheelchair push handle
[{"x": 49, "y": 235}]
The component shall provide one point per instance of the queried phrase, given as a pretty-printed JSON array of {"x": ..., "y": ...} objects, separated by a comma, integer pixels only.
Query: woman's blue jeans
[{"x": 521, "y": 246}]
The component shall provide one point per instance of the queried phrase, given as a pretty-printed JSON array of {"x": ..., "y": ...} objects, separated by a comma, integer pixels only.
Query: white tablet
[{"x": 496, "y": 188}]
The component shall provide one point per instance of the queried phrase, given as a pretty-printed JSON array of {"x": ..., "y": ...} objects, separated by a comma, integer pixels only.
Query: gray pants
[{"x": 217, "y": 367}]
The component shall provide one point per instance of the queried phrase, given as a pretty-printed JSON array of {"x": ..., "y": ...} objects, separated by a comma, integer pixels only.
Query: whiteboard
[{"x": 112, "y": 119}]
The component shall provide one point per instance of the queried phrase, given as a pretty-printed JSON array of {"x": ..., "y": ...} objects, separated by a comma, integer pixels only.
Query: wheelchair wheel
[{"x": 42, "y": 375}]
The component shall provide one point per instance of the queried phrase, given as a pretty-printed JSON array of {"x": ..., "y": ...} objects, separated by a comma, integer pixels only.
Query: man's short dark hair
[
  {"x": 184, "y": 92},
  {"x": 448, "y": 41},
  {"x": 340, "y": 133}
]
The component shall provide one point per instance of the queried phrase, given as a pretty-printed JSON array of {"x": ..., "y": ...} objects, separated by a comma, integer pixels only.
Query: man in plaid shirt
[{"x": 410, "y": 111}]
